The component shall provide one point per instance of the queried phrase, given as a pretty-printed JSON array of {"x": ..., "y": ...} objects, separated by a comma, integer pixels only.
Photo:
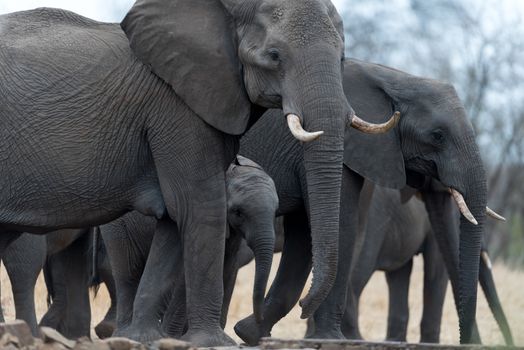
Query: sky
[{"x": 101, "y": 10}]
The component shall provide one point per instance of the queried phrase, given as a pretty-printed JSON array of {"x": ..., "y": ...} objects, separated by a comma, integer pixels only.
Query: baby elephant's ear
[
  {"x": 247, "y": 162},
  {"x": 191, "y": 44}
]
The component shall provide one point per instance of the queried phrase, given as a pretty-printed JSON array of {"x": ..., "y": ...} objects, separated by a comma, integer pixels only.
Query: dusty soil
[{"x": 373, "y": 317}]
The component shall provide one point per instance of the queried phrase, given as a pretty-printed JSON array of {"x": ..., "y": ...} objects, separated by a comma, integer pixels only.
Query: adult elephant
[
  {"x": 434, "y": 138},
  {"x": 88, "y": 133},
  {"x": 398, "y": 227}
]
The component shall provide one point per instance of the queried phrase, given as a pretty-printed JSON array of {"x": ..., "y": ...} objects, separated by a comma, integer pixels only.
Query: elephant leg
[
  {"x": 398, "y": 313},
  {"x": 293, "y": 270},
  {"x": 24, "y": 259},
  {"x": 127, "y": 256},
  {"x": 156, "y": 284},
  {"x": 191, "y": 159},
  {"x": 174, "y": 323},
  {"x": 107, "y": 326},
  {"x": 68, "y": 275},
  {"x": 435, "y": 285},
  {"x": 231, "y": 267},
  {"x": 328, "y": 316}
]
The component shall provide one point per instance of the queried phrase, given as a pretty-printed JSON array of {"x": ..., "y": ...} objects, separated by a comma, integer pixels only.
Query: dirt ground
[{"x": 373, "y": 318}]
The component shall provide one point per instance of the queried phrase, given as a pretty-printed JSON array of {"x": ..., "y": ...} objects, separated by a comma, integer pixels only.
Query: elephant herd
[{"x": 154, "y": 156}]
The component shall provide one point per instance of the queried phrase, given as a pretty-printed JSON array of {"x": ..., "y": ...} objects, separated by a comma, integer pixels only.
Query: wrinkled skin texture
[
  {"x": 66, "y": 257},
  {"x": 252, "y": 202},
  {"x": 397, "y": 228},
  {"x": 434, "y": 138},
  {"x": 71, "y": 86}
]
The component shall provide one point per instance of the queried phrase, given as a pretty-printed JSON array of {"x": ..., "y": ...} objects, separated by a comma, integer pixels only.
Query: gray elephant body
[
  {"x": 89, "y": 120},
  {"x": 434, "y": 138}
]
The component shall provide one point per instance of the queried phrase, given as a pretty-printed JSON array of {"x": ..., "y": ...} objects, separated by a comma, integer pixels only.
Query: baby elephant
[{"x": 252, "y": 204}]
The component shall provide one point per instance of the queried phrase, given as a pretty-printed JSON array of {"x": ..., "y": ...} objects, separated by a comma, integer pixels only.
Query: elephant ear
[
  {"x": 378, "y": 158},
  {"x": 191, "y": 45}
]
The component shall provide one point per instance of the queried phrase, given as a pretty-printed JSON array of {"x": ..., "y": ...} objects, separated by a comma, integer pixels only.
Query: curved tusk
[
  {"x": 463, "y": 207},
  {"x": 487, "y": 260},
  {"x": 370, "y": 128},
  {"x": 293, "y": 122},
  {"x": 494, "y": 215}
]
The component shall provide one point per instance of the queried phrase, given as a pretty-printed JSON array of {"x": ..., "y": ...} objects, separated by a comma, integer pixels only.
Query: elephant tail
[
  {"x": 488, "y": 286},
  {"x": 95, "y": 280},
  {"x": 48, "y": 279}
]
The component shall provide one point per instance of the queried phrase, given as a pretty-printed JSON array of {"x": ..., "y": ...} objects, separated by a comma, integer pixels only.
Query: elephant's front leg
[
  {"x": 435, "y": 286},
  {"x": 398, "y": 314},
  {"x": 154, "y": 291},
  {"x": 329, "y": 315},
  {"x": 191, "y": 159}
]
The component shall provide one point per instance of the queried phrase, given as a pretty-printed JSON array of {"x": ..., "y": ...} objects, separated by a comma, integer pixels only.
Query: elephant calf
[{"x": 252, "y": 203}]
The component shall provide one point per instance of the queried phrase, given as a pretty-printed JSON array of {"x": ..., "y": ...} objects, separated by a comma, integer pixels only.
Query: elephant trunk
[
  {"x": 262, "y": 243},
  {"x": 488, "y": 286},
  {"x": 469, "y": 249},
  {"x": 321, "y": 103}
]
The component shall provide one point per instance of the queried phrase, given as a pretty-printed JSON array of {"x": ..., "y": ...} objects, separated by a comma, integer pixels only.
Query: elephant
[
  {"x": 117, "y": 253},
  {"x": 98, "y": 120},
  {"x": 433, "y": 138},
  {"x": 396, "y": 228},
  {"x": 66, "y": 258},
  {"x": 252, "y": 203}
]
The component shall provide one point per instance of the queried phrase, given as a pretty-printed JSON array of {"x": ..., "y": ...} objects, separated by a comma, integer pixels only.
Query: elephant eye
[
  {"x": 438, "y": 136},
  {"x": 237, "y": 212},
  {"x": 274, "y": 55}
]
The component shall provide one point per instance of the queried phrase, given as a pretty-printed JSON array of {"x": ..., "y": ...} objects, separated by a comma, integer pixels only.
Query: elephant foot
[
  {"x": 208, "y": 338},
  {"x": 105, "y": 329},
  {"x": 139, "y": 334},
  {"x": 250, "y": 331},
  {"x": 327, "y": 334}
]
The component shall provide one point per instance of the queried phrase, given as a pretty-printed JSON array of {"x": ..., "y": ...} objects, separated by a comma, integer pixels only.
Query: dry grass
[{"x": 373, "y": 306}]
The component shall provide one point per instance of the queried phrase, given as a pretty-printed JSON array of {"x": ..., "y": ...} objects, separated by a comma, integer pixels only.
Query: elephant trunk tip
[{"x": 258, "y": 307}]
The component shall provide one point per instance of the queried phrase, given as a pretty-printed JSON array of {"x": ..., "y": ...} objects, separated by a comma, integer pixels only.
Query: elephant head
[
  {"x": 434, "y": 138},
  {"x": 252, "y": 204},
  {"x": 230, "y": 59}
]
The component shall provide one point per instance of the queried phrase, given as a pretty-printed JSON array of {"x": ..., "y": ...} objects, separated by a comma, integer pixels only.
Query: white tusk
[
  {"x": 370, "y": 128},
  {"x": 463, "y": 207},
  {"x": 494, "y": 215},
  {"x": 484, "y": 255},
  {"x": 293, "y": 122}
]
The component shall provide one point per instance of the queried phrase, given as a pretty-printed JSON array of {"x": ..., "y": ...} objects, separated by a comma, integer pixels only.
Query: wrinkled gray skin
[
  {"x": 252, "y": 203},
  {"x": 434, "y": 137},
  {"x": 398, "y": 227},
  {"x": 66, "y": 257},
  {"x": 84, "y": 123}
]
